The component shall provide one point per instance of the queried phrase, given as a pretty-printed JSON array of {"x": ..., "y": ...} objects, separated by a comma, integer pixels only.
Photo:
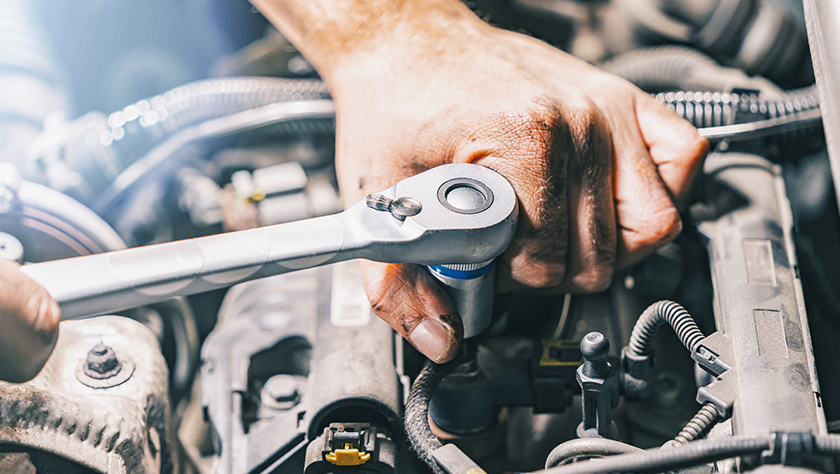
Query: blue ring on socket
[{"x": 461, "y": 274}]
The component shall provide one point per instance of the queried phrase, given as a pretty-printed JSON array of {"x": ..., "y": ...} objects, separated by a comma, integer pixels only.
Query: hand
[
  {"x": 597, "y": 165},
  {"x": 28, "y": 324}
]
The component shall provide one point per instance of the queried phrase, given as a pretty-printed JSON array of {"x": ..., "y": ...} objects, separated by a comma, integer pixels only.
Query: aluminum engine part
[
  {"x": 116, "y": 423},
  {"x": 761, "y": 357},
  {"x": 291, "y": 355}
]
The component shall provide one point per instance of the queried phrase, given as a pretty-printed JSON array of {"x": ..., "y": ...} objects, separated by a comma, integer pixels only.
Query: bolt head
[{"x": 102, "y": 362}]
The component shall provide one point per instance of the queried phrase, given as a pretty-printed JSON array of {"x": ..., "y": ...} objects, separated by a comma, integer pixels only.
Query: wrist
[{"x": 340, "y": 35}]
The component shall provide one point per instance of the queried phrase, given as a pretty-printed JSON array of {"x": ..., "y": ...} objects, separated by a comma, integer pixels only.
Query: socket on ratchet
[{"x": 453, "y": 214}]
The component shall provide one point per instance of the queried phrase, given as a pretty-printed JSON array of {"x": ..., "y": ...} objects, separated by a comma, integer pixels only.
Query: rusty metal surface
[{"x": 114, "y": 429}]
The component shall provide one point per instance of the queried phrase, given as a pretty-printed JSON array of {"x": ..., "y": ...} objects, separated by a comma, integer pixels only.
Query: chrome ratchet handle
[
  {"x": 452, "y": 214},
  {"x": 113, "y": 281}
]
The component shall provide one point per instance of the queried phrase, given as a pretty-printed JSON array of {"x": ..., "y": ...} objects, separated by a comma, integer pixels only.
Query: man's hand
[
  {"x": 597, "y": 164},
  {"x": 28, "y": 324}
]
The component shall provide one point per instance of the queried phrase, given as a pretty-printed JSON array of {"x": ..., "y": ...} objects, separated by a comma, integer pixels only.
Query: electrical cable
[
  {"x": 179, "y": 317},
  {"x": 657, "y": 314},
  {"x": 690, "y": 454},
  {"x": 421, "y": 439},
  {"x": 681, "y": 456},
  {"x": 564, "y": 317},
  {"x": 580, "y": 449},
  {"x": 705, "y": 418}
]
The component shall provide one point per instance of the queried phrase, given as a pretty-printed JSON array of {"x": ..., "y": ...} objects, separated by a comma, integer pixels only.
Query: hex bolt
[{"x": 102, "y": 362}]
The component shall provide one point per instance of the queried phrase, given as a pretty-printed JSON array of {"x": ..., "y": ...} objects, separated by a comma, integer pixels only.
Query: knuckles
[
  {"x": 543, "y": 148},
  {"x": 661, "y": 227},
  {"x": 593, "y": 280}
]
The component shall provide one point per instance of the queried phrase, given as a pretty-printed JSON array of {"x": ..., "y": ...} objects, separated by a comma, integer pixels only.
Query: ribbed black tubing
[
  {"x": 657, "y": 314},
  {"x": 705, "y": 418}
]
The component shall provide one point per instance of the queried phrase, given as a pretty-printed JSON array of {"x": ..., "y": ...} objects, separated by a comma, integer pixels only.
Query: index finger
[{"x": 674, "y": 145}]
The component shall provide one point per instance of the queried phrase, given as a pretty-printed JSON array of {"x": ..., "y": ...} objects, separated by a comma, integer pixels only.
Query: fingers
[
  {"x": 675, "y": 147},
  {"x": 28, "y": 324},
  {"x": 559, "y": 161},
  {"x": 409, "y": 299},
  {"x": 592, "y": 233},
  {"x": 536, "y": 258},
  {"x": 647, "y": 216}
]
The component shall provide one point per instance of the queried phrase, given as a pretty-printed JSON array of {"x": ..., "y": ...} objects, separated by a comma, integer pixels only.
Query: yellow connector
[
  {"x": 256, "y": 197},
  {"x": 349, "y": 456}
]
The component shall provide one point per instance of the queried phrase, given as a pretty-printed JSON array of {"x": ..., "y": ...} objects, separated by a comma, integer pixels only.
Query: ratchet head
[{"x": 455, "y": 213}]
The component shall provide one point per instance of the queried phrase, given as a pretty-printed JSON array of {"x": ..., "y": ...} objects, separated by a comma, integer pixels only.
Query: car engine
[{"x": 167, "y": 173}]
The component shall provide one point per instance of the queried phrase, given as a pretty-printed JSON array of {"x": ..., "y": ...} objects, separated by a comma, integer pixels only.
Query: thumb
[
  {"x": 28, "y": 324},
  {"x": 409, "y": 299}
]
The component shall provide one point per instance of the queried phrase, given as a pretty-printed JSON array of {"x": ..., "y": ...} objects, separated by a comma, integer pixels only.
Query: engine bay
[{"x": 715, "y": 354}]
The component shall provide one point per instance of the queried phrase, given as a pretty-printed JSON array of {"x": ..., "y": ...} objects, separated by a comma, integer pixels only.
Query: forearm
[{"x": 331, "y": 32}]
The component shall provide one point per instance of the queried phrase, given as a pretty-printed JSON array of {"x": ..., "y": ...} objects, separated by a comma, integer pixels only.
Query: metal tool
[{"x": 452, "y": 214}]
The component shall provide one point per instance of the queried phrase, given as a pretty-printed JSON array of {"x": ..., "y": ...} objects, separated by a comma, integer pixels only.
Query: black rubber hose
[
  {"x": 420, "y": 437},
  {"x": 165, "y": 158},
  {"x": 657, "y": 314},
  {"x": 135, "y": 129},
  {"x": 662, "y": 460},
  {"x": 665, "y": 68},
  {"x": 100, "y": 148},
  {"x": 705, "y": 418},
  {"x": 683, "y": 70}
]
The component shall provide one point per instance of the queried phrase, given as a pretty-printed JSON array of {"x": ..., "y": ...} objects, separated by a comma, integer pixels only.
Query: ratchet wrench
[{"x": 451, "y": 214}]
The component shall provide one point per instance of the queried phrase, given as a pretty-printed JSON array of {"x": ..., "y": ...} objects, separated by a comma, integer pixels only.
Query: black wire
[
  {"x": 661, "y": 460},
  {"x": 657, "y": 314},
  {"x": 417, "y": 429},
  {"x": 705, "y": 418}
]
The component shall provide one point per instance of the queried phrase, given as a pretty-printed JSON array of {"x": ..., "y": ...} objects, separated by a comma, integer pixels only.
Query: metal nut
[{"x": 102, "y": 362}]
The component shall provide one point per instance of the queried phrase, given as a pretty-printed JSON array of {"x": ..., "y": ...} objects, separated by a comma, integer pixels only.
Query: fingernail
[
  {"x": 55, "y": 312},
  {"x": 48, "y": 314},
  {"x": 431, "y": 338}
]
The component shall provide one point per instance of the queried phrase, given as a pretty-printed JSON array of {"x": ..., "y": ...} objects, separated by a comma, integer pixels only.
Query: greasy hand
[
  {"x": 597, "y": 164},
  {"x": 28, "y": 324}
]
